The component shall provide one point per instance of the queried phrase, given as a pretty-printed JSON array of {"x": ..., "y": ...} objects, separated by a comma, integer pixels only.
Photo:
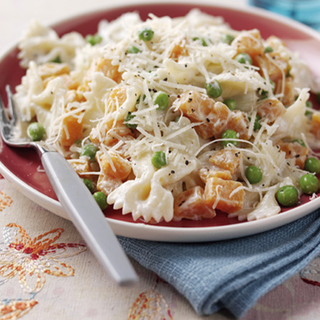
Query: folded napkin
[{"x": 231, "y": 274}]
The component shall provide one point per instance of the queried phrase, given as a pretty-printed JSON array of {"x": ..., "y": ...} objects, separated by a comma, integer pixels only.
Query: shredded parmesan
[{"x": 106, "y": 96}]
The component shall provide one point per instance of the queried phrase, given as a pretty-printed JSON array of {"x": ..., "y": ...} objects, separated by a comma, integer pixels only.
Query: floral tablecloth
[{"x": 46, "y": 271}]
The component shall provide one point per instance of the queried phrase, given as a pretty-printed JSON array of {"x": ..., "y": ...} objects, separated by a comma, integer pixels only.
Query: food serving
[{"x": 175, "y": 118}]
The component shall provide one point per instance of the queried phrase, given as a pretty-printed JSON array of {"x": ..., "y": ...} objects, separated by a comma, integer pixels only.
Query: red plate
[{"x": 21, "y": 166}]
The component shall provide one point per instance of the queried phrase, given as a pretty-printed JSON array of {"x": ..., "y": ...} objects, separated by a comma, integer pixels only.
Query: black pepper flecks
[{"x": 181, "y": 203}]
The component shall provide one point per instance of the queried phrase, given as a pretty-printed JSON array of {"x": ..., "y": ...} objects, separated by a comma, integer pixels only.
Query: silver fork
[{"x": 75, "y": 198}]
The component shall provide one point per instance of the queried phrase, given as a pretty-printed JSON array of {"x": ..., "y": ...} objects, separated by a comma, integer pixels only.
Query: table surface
[{"x": 76, "y": 287}]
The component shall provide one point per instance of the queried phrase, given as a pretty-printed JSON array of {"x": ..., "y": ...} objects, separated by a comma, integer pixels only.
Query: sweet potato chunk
[
  {"x": 107, "y": 183},
  {"x": 53, "y": 69},
  {"x": 294, "y": 150},
  {"x": 270, "y": 109},
  {"x": 206, "y": 173},
  {"x": 239, "y": 123},
  {"x": 110, "y": 133},
  {"x": 218, "y": 192},
  {"x": 67, "y": 79},
  {"x": 215, "y": 117},
  {"x": 115, "y": 166},
  {"x": 72, "y": 130},
  {"x": 74, "y": 96},
  {"x": 315, "y": 125},
  {"x": 289, "y": 91},
  {"x": 200, "y": 108},
  {"x": 275, "y": 65},
  {"x": 249, "y": 42},
  {"x": 80, "y": 166},
  {"x": 214, "y": 123},
  {"x": 177, "y": 51},
  {"x": 275, "y": 42},
  {"x": 227, "y": 160},
  {"x": 108, "y": 69},
  {"x": 116, "y": 99},
  {"x": 190, "y": 204}
]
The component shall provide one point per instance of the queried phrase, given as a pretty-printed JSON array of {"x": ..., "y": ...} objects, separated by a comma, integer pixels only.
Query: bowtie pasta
[{"x": 175, "y": 118}]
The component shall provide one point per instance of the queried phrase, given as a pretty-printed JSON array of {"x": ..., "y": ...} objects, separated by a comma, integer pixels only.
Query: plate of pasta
[{"x": 197, "y": 125}]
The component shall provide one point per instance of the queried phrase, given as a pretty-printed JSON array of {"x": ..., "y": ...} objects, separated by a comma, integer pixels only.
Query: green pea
[
  {"x": 133, "y": 49},
  {"x": 268, "y": 49},
  {"x": 264, "y": 94},
  {"x": 127, "y": 120},
  {"x": 243, "y": 58},
  {"x": 89, "y": 184},
  {"x": 93, "y": 39},
  {"x": 227, "y": 38},
  {"x": 253, "y": 174},
  {"x": 146, "y": 34},
  {"x": 257, "y": 125},
  {"x": 35, "y": 131},
  {"x": 139, "y": 98},
  {"x": 288, "y": 73},
  {"x": 159, "y": 159},
  {"x": 231, "y": 104},
  {"x": 272, "y": 85},
  {"x": 214, "y": 89},
  {"x": 89, "y": 150},
  {"x": 287, "y": 196},
  {"x": 229, "y": 134},
  {"x": 300, "y": 141},
  {"x": 312, "y": 165},
  {"x": 78, "y": 142},
  {"x": 309, "y": 183},
  {"x": 101, "y": 199},
  {"x": 57, "y": 59},
  {"x": 203, "y": 41},
  {"x": 161, "y": 99},
  {"x": 310, "y": 106}
]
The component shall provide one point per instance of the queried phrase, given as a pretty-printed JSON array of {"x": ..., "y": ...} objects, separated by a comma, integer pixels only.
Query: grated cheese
[{"x": 110, "y": 92}]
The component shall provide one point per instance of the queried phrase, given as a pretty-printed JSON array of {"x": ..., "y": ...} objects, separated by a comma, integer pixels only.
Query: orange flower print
[
  {"x": 150, "y": 305},
  {"x": 32, "y": 259},
  {"x": 5, "y": 201},
  {"x": 15, "y": 309}
]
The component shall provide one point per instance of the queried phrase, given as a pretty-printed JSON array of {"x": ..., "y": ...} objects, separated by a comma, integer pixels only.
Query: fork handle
[{"x": 87, "y": 217}]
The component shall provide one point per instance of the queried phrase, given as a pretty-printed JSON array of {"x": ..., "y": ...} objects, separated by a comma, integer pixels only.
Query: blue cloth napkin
[{"x": 231, "y": 274}]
